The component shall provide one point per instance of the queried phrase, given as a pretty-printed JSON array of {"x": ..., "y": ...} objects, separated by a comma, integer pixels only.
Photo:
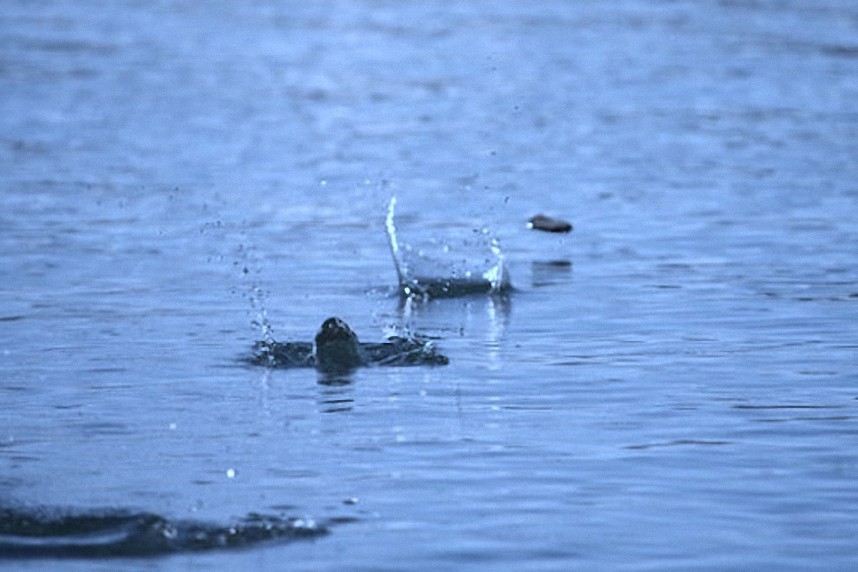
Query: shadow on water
[{"x": 59, "y": 533}]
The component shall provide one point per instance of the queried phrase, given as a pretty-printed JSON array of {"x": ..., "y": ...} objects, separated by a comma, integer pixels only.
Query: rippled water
[{"x": 672, "y": 385}]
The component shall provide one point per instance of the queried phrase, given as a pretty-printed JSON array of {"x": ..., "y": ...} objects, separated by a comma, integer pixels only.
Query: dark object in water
[
  {"x": 337, "y": 350},
  {"x": 548, "y": 224},
  {"x": 43, "y": 533},
  {"x": 425, "y": 288},
  {"x": 337, "y": 347}
]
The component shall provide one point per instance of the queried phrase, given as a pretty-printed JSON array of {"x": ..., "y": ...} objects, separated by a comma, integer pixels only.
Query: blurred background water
[{"x": 671, "y": 386}]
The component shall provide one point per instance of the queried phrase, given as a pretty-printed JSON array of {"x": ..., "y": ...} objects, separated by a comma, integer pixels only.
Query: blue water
[{"x": 179, "y": 180}]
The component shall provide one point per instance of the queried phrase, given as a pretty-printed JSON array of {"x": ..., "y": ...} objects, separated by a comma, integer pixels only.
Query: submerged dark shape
[
  {"x": 115, "y": 533},
  {"x": 337, "y": 350},
  {"x": 449, "y": 287}
]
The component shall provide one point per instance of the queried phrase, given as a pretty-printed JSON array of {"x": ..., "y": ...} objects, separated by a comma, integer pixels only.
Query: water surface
[{"x": 671, "y": 386}]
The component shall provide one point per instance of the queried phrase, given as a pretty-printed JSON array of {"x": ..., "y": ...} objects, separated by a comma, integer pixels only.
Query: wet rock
[
  {"x": 337, "y": 350},
  {"x": 548, "y": 224}
]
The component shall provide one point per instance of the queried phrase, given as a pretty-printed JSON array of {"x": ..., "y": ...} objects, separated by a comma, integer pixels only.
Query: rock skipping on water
[
  {"x": 549, "y": 224},
  {"x": 336, "y": 349}
]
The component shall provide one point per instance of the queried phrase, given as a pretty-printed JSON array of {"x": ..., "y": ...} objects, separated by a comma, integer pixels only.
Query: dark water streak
[{"x": 52, "y": 533}]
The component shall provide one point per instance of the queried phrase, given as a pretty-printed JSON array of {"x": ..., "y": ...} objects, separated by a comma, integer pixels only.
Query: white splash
[
  {"x": 438, "y": 278},
  {"x": 394, "y": 243},
  {"x": 497, "y": 275}
]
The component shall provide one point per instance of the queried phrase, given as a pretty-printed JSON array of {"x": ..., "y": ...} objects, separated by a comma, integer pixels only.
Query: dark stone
[
  {"x": 337, "y": 347},
  {"x": 337, "y": 350},
  {"x": 548, "y": 224}
]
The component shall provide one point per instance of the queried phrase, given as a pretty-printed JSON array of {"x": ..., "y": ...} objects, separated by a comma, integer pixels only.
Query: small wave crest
[{"x": 44, "y": 533}]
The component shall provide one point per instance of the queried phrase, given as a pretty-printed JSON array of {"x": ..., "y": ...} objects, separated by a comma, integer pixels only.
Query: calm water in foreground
[{"x": 681, "y": 392}]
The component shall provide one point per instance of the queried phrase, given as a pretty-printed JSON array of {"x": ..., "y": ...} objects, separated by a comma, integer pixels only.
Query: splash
[
  {"x": 421, "y": 276},
  {"x": 394, "y": 243},
  {"x": 337, "y": 349},
  {"x": 249, "y": 266}
]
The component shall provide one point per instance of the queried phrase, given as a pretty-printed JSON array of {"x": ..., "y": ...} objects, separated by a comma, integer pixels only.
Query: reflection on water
[
  {"x": 490, "y": 312},
  {"x": 335, "y": 378},
  {"x": 548, "y": 273},
  {"x": 335, "y": 396}
]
